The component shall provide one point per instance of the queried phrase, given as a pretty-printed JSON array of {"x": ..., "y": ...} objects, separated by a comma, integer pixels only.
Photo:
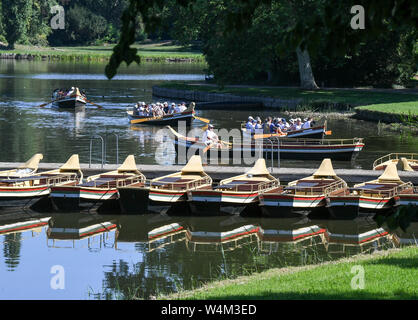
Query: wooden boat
[
  {"x": 234, "y": 194},
  {"x": 27, "y": 169},
  {"x": 283, "y": 148},
  {"x": 28, "y": 189},
  {"x": 169, "y": 119},
  {"x": 317, "y": 132},
  {"x": 407, "y": 197},
  {"x": 303, "y": 196},
  {"x": 173, "y": 188},
  {"x": 409, "y": 161},
  {"x": 96, "y": 189},
  {"x": 74, "y": 100},
  {"x": 371, "y": 197}
]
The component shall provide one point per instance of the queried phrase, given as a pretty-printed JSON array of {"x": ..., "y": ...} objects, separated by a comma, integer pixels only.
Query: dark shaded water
[{"x": 111, "y": 257}]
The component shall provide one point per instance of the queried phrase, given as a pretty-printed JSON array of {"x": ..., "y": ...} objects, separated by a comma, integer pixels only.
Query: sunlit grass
[{"x": 389, "y": 276}]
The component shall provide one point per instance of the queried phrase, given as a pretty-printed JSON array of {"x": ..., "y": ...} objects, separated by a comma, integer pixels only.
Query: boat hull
[
  {"x": 351, "y": 207},
  {"x": 286, "y": 152},
  {"x": 188, "y": 117},
  {"x": 133, "y": 200},
  {"x": 70, "y": 103}
]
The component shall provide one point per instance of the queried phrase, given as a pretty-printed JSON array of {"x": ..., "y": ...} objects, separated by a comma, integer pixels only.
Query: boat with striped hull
[
  {"x": 235, "y": 194},
  {"x": 303, "y": 196},
  {"x": 27, "y": 190},
  {"x": 369, "y": 197},
  {"x": 97, "y": 189}
]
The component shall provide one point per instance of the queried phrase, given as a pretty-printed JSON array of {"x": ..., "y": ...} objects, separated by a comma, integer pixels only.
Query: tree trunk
[{"x": 307, "y": 80}]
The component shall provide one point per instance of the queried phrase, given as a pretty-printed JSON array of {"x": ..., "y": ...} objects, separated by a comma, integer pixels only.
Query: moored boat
[
  {"x": 96, "y": 189},
  {"x": 234, "y": 194},
  {"x": 369, "y": 197},
  {"x": 173, "y": 188},
  {"x": 409, "y": 161},
  {"x": 27, "y": 169},
  {"x": 28, "y": 189},
  {"x": 303, "y": 196},
  {"x": 69, "y": 99},
  {"x": 407, "y": 197},
  {"x": 283, "y": 148}
]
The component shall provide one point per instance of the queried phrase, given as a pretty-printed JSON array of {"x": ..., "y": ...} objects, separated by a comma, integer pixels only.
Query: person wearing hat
[
  {"x": 307, "y": 124},
  {"x": 249, "y": 126},
  {"x": 210, "y": 137},
  {"x": 298, "y": 124}
]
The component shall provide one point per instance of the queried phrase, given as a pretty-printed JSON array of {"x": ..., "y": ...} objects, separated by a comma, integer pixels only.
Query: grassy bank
[
  {"x": 151, "y": 52},
  {"x": 343, "y": 96},
  {"x": 405, "y": 108},
  {"x": 391, "y": 274}
]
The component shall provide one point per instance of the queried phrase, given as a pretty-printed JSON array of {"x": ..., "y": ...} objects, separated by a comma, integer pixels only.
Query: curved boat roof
[
  {"x": 33, "y": 162},
  {"x": 128, "y": 165},
  {"x": 194, "y": 165},
  {"x": 72, "y": 164},
  {"x": 390, "y": 175},
  {"x": 325, "y": 169}
]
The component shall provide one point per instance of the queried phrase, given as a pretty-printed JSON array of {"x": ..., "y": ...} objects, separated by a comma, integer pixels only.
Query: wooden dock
[{"x": 218, "y": 173}]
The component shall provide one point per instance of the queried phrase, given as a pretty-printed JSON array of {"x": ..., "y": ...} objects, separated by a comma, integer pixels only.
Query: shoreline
[
  {"x": 293, "y": 282},
  {"x": 296, "y": 105}
]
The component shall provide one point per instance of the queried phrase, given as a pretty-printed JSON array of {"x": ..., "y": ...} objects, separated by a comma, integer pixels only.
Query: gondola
[
  {"x": 169, "y": 119},
  {"x": 369, "y": 197},
  {"x": 303, "y": 196},
  {"x": 73, "y": 99},
  {"x": 27, "y": 190},
  {"x": 312, "y": 133},
  {"x": 172, "y": 189},
  {"x": 235, "y": 194},
  {"x": 27, "y": 169},
  {"x": 280, "y": 148},
  {"x": 409, "y": 161},
  {"x": 97, "y": 189}
]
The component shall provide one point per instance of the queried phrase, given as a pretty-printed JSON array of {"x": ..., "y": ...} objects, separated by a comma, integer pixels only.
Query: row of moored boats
[{"x": 191, "y": 190}]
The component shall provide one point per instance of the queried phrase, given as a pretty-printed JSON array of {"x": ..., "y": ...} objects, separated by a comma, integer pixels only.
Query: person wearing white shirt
[
  {"x": 210, "y": 137},
  {"x": 307, "y": 124},
  {"x": 183, "y": 107}
]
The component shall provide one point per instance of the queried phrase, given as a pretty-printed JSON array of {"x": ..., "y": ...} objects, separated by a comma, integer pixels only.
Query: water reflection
[{"x": 110, "y": 257}]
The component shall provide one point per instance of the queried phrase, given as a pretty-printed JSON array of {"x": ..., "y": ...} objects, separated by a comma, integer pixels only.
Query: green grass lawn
[
  {"x": 391, "y": 275},
  {"x": 346, "y": 96},
  {"x": 406, "y": 108},
  {"x": 154, "y": 50}
]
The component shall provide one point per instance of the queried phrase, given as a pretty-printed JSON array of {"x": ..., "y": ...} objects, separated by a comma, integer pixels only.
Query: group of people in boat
[
  {"x": 277, "y": 125},
  {"x": 62, "y": 93},
  {"x": 158, "y": 109}
]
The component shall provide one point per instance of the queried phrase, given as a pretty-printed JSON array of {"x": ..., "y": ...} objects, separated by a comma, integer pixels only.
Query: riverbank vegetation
[
  {"x": 331, "y": 280},
  {"x": 150, "y": 51}
]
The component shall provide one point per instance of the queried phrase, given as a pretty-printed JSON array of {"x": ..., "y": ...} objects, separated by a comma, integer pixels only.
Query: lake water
[{"x": 112, "y": 257}]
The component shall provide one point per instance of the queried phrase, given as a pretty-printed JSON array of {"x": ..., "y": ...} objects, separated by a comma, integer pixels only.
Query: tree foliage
[{"x": 16, "y": 16}]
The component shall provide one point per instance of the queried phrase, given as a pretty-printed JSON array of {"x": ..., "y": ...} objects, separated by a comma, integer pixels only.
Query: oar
[
  {"x": 144, "y": 119},
  {"x": 44, "y": 104},
  {"x": 202, "y": 119},
  {"x": 94, "y": 104}
]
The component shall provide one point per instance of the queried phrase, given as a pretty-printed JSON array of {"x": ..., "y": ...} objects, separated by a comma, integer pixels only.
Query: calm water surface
[
  {"x": 112, "y": 257},
  {"x": 26, "y": 129}
]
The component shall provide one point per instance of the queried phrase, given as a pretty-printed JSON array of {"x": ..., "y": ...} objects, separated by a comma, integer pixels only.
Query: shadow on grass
[
  {"x": 411, "y": 262},
  {"x": 344, "y": 295}
]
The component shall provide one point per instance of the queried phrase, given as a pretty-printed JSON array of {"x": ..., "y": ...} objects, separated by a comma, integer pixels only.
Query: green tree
[{"x": 16, "y": 16}]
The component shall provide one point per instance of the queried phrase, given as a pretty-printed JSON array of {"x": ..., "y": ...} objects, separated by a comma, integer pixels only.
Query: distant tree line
[
  {"x": 86, "y": 22},
  {"x": 305, "y": 42}
]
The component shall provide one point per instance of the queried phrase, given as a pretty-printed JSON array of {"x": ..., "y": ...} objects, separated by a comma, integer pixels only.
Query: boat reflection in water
[
  {"x": 17, "y": 221},
  {"x": 96, "y": 229}
]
